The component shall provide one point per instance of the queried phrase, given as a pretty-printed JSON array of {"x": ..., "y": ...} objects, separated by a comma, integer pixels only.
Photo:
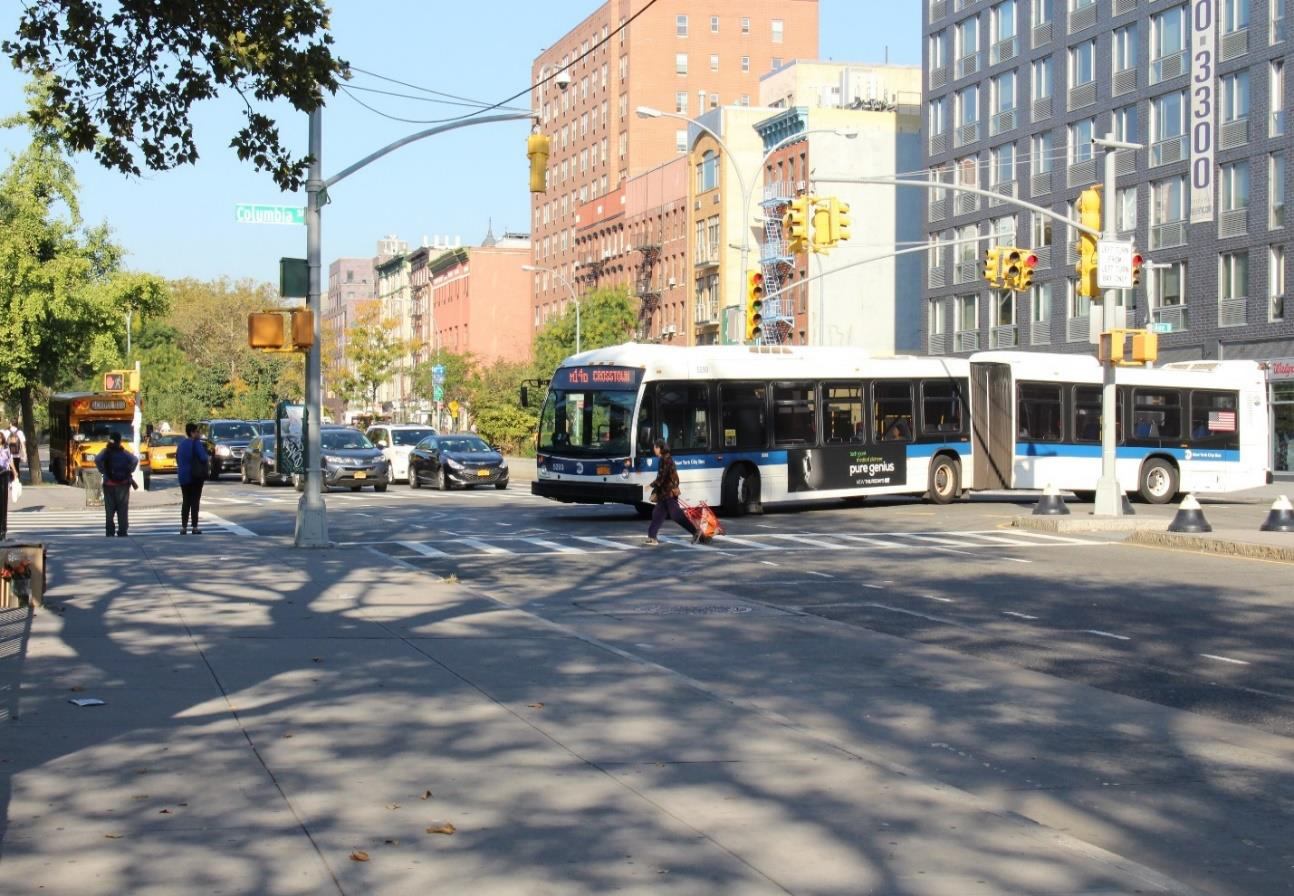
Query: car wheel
[
  {"x": 380, "y": 487},
  {"x": 263, "y": 478},
  {"x": 501, "y": 485},
  {"x": 445, "y": 484},
  {"x": 242, "y": 474},
  {"x": 945, "y": 480},
  {"x": 299, "y": 482},
  {"x": 1158, "y": 481},
  {"x": 413, "y": 479}
]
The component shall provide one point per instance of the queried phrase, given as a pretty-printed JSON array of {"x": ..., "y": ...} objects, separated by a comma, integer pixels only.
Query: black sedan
[
  {"x": 350, "y": 460},
  {"x": 456, "y": 460},
  {"x": 259, "y": 462}
]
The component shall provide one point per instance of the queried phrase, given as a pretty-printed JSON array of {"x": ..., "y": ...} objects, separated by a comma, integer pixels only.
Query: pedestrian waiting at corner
[
  {"x": 117, "y": 466},
  {"x": 191, "y": 464}
]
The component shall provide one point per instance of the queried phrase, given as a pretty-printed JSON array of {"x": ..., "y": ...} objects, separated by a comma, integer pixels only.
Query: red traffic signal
[
  {"x": 1031, "y": 260},
  {"x": 1137, "y": 261}
]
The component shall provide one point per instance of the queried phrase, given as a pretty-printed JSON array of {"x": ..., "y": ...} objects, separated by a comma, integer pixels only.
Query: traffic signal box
[
  {"x": 795, "y": 223},
  {"x": 1089, "y": 215},
  {"x": 121, "y": 381},
  {"x": 993, "y": 266},
  {"x": 754, "y": 306},
  {"x": 1128, "y": 347},
  {"x": 281, "y": 331},
  {"x": 537, "y": 149},
  {"x": 821, "y": 235}
]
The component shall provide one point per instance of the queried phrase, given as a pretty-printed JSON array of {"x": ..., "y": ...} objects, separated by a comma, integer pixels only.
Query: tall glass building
[{"x": 1015, "y": 90}]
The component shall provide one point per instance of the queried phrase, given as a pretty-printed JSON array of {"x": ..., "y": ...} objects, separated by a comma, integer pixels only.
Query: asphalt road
[{"x": 1139, "y": 698}]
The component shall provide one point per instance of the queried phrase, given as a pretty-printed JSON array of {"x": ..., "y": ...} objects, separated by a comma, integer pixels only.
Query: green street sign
[
  {"x": 438, "y": 393},
  {"x": 253, "y": 213}
]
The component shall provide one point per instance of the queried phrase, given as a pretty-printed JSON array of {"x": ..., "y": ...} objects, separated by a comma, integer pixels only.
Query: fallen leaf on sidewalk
[
  {"x": 446, "y": 828},
  {"x": 165, "y": 812},
  {"x": 113, "y": 836},
  {"x": 139, "y": 796},
  {"x": 391, "y": 842},
  {"x": 359, "y": 856},
  {"x": 393, "y": 805},
  {"x": 535, "y": 705},
  {"x": 426, "y": 794}
]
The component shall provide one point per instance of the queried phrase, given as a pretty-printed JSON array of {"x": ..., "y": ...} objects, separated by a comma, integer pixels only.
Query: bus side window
[
  {"x": 941, "y": 407},
  {"x": 794, "y": 414},
  {"x": 1039, "y": 418},
  {"x": 892, "y": 410},
  {"x": 685, "y": 415},
  {"x": 1215, "y": 419},
  {"x": 842, "y": 413},
  {"x": 743, "y": 415},
  {"x": 647, "y": 420},
  {"x": 1156, "y": 414},
  {"x": 1087, "y": 414}
]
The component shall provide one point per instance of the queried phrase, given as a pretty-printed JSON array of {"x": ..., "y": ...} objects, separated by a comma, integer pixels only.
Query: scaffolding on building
[{"x": 777, "y": 265}]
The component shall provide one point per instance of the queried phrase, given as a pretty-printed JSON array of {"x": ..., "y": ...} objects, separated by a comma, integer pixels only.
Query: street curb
[
  {"x": 1206, "y": 545},
  {"x": 1085, "y": 523}
]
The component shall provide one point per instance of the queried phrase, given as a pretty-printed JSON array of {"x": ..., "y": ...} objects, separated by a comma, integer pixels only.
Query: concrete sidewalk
[{"x": 284, "y": 722}]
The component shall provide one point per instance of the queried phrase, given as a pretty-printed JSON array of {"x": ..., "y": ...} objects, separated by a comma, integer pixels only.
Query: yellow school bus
[{"x": 80, "y": 424}]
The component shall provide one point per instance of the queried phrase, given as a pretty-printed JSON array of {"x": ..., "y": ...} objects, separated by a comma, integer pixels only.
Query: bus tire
[
  {"x": 945, "y": 479},
  {"x": 740, "y": 494},
  {"x": 1157, "y": 483}
]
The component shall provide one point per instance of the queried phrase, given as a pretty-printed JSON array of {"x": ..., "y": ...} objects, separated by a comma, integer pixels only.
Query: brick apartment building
[
  {"x": 479, "y": 299},
  {"x": 678, "y": 57}
]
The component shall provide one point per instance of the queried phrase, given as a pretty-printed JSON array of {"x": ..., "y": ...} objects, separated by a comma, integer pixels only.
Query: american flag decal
[{"x": 1222, "y": 421}]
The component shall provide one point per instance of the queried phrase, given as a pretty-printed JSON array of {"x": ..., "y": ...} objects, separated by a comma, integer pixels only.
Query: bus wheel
[
  {"x": 740, "y": 494},
  {"x": 1158, "y": 481},
  {"x": 945, "y": 480}
]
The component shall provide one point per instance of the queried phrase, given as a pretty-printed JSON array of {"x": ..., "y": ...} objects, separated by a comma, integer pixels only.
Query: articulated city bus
[
  {"x": 1192, "y": 426},
  {"x": 752, "y": 425},
  {"x": 80, "y": 424}
]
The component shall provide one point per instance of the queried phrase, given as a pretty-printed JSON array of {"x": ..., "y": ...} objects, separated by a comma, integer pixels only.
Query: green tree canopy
[
  {"x": 459, "y": 370},
  {"x": 607, "y": 317},
  {"x": 374, "y": 353},
  {"x": 124, "y": 80},
  {"x": 494, "y": 398}
]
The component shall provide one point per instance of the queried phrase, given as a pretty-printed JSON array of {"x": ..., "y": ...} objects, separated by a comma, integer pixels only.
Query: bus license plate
[
  {"x": 482, "y": 472},
  {"x": 604, "y": 471},
  {"x": 361, "y": 475}
]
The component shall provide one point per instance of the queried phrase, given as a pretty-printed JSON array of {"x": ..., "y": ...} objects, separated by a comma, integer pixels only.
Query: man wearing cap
[{"x": 116, "y": 464}]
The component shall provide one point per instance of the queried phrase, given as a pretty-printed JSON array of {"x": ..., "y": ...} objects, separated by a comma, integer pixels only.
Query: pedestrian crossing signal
[{"x": 121, "y": 381}]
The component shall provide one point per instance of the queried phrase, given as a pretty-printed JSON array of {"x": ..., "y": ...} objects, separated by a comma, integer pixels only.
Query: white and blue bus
[
  {"x": 751, "y": 425},
  {"x": 1194, "y": 426}
]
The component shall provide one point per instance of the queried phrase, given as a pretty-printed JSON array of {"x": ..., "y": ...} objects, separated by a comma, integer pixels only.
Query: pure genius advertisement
[{"x": 823, "y": 469}]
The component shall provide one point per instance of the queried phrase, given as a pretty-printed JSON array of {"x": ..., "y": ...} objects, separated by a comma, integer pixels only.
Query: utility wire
[{"x": 472, "y": 104}]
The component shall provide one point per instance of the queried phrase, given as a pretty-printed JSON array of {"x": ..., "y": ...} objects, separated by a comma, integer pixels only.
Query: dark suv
[{"x": 226, "y": 442}]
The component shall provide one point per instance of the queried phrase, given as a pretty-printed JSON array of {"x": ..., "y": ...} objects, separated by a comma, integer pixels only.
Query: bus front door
[{"x": 992, "y": 425}]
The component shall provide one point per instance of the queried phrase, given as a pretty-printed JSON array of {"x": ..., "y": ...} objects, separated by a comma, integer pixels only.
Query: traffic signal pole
[{"x": 1109, "y": 497}]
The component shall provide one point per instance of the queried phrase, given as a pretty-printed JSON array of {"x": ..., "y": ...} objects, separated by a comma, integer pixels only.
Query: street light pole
[
  {"x": 312, "y": 514},
  {"x": 574, "y": 298}
]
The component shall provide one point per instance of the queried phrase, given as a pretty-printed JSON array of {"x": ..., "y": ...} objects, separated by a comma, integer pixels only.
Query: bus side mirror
[{"x": 525, "y": 397}]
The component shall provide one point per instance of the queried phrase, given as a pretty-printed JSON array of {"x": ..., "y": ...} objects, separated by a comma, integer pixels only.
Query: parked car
[
  {"x": 226, "y": 442},
  {"x": 161, "y": 452},
  {"x": 396, "y": 440},
  {"x": 457, "y": 460},
  {"x": 259, "y": 462},
  {"x": 350, "y": 460}
]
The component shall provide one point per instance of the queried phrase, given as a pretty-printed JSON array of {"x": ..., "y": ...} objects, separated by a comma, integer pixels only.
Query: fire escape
[
  {"x": 777, "y": 264},
  {"x": 646, "y": 288}
]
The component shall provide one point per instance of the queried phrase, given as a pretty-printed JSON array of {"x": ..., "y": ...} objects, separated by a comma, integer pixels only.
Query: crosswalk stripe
[
  {"x": 875, "y": 542},
  {"x": 419, "y": 547},
  {"x": 939, "y": 539},
  {"x": 998, "y": 539},
  {"x": 483, "y": 546},
  {"x": 545, "y": 543},
  {"x": 808, "y": 539},
  {"x": 732, "y": 539},
  {"x": 605, "y": 542}
]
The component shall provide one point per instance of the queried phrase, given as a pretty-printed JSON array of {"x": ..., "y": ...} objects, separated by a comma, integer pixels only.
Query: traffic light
[
  {"x": 821, "y": 235},
  {"x": 281, "y": 331},
  {"x": 1089, "y": 215},
  {"x": 795, "y": 222},
  {"x": 1024, "y": 280},
  {"x": 121, "y": 381},
  {"x": 839, "y": 218},
  {"x": 993, "y": 266},
  {"x": 1012, "y": 264},
  {"x": 754, "y": 305},
  {"x": 537, "y": 146},
  {"x": 1137, "y": 262}
]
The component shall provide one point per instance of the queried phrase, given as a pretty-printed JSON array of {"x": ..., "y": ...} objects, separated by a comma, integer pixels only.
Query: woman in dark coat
[{"x": 664, "y": 490}]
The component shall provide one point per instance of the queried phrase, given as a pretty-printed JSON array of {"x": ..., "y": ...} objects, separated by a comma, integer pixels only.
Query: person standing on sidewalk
[
  {"x": 665, "y": 492},
  {"x": 7, "y": 472},
  {"x": 191, "y": 465},
  {"x": 17, "y": 445},
  {"x": 117, "y": 465}
]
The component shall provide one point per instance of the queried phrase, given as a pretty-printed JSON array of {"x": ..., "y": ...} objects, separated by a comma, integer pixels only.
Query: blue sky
[{"x": 181, "y": 223}]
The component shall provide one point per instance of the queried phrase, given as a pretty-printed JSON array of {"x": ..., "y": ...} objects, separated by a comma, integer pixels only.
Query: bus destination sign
[
  {"x": 108, "y": 404},
  {"x": 593, "y": 377}
]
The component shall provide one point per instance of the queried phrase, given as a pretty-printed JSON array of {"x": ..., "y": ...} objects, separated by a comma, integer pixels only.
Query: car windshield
[
  {"x": 465, "y": 444},
  {"x": 98, "y": 430},
  {"x": 165, "y": 441},
  {"x": 265, "y": 427},
  {"x": 410, "y": 436},
  {"x": 586, "y": 423},
  {"x": 344, "y": 440},
  {"x": 232, "y": 431}
]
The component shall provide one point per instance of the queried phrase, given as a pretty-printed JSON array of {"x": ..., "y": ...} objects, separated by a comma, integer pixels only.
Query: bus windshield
[
  {"x": 99, "y": 430},
  {"x": 586, "y": 422}
]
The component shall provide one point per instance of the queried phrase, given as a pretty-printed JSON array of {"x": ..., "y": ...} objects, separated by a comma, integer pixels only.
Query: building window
[
  {"x": 936, "y": 325},
  {"x": 1080, "y": 140},
  {"x": 1235, "y": 15},
  {"x": 1276, "y": 283},
  {"x": 1082, "y": 64},
  {"x": 777, "y": 63},
  {"x": 1233, "y": 182},
  {"x": 1003, "y": 92},
  {"x": 680, "y": 63},
  {"x": 1041, "y": 78},
  {"x": 1276, "y": 97},
  {"x": 967, "y": 313},
  {"x": 1003, "y": 164},
  {"x": 966, "y": 105},
  {"x": 714, "y": 101},
  {"x": 967, "y": 249},
  {"x": 778, "y": 31},
  {"x": 1124, "y": 123},
  {"x": 1233, "y": 275},
  {"x": 1276, "y": 190},
  {"x": 1041, "y": 12},
  {"x": 1004, "y": 21},
  {"x": 745, "y": 99},
  {"x": 1039, "y": 230},
  {"x": 745, "y": 25},
  {"x": 680, "y": 101},
  {"x": 745, "y": 63},
  {"x": 938, "y": 50},
  {"x": 1167, "y": 120},
  {"x": 714, "y": 24},
  {"x": 1042, "y": 150},
  {"x": 680, "y": 26},
  {"x": 714, "y": 62},
  {"x": 1235, "y": 96},
  {"x": 1040, "y": 302},
  {"x": 707, "y": 171},
  {"x": 1002, "y": 231},
  {"x": 1079, "y": 306},
  {"x": 1170, "y": 285},
  {"x": 1125, "y": 48},
  {"x": 680, "y": 140},
  {"x": 966, "y": 34},
  {"x": 1167, "y": 44}
]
